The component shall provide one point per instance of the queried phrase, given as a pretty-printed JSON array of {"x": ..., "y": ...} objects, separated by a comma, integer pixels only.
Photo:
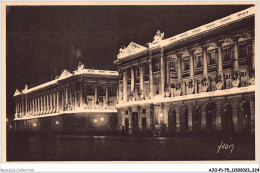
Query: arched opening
[
  {"x": 226, "y": 117},
  {"x": 245, "y": 115},
  {"x": 172, "y": 121},
  {"x": 210, "y": 115},
  {"x": 196, "y": 118},
  {"x": 184, "y": 119}
]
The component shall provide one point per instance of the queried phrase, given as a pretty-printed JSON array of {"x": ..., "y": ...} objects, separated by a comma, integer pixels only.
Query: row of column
[
  {"x": 218, "y": 52},
  {"x": 38, "y": 105},
  {"x": 50, "y": 103}
]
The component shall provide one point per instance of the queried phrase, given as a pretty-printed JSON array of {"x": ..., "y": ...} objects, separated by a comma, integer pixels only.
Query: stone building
[
  {"x": 199, "y": 80},
  {"x": 83, "y": 100}
]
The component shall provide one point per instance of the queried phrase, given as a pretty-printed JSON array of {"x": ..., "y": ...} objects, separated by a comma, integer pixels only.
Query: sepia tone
[{"x": 173, "y": 95}]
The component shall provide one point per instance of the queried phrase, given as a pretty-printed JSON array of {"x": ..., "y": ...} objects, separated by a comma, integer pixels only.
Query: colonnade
[{"x": 180, "y": 57}]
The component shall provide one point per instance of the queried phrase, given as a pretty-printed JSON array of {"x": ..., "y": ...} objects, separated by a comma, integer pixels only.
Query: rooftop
[
  {"x": 159, "y": 41},
  {"x": 66, "y": 74}
]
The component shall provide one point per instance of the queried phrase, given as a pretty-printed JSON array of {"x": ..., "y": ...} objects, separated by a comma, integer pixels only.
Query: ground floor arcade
[{"x": 234, "y": 113}]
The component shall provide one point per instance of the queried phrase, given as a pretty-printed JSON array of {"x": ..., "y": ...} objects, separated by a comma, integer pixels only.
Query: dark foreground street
[{"x": 100, "y": 148}]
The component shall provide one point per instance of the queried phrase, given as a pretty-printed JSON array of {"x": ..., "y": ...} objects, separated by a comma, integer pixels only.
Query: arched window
[
  {"x": 184, "y": 119},
  {"x": 172, "y": 120},
  {"x": 210, "y": 115},
  {"x": 245, "y": 115},
  {"x": 226, "y": 117},
  {"x": 196, "y": 118}
]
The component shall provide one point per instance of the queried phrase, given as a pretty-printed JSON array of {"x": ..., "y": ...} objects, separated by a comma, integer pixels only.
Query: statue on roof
[
  {"x": 81, "y": 66},
  {"x": 26, "y": 87},
  {"x": 121, "y": 50},
  {"x": 158, "y": 36}
]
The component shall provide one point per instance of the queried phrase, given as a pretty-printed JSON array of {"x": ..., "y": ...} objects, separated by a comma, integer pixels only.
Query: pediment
[
  {"x": 65, "y": 74},
  {"x": 131, "y": 49},
  {"x": 17, "y": 92}
]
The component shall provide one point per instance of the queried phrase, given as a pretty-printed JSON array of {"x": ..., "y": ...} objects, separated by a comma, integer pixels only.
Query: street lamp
[{"x": 57, "y": 122}]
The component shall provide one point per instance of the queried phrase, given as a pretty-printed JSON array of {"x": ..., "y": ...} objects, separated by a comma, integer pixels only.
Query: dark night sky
[{"x": 39, "y": 39}]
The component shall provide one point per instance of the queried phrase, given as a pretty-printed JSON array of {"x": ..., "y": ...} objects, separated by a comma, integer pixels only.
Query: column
[
  {"x": 41, "y": 106},
  {"x": 151, "y": 77},
  {"x": 66, "y": 97},
  {"x": 62, "y": 99},
  {"x": 22, "y": 107},
  {"x": 205, "y": 63},
  {"x": 44, "y": 104},
  {"x": 168, "y": 72},
  {"x": 54, "y": 100},
  {"x": 125, "y": 86},
  {"x": 141, "y": 76},
  {"x": 95, "y": 94},
  {"x": 38, "y": 105},
  {"x": 51, "y": 106},
  {"x": 75, "y": 96},
  {"x": 132, "y": 80},
  {"x": 179, "y": 75},
  {"x": 235, "y": 58},
  {"x": 81, "y": 93},
  {"x": 71, "y": 99},
  {"x": 191, "y": 67},
  {"x": 220, "y": 67},
  {"x": 162, "y": 74},
  {"x": 26, "y": 106},
  {"x": 184, "y": 88},
  {"x": 57, "y": 102},
  {"x": 33, "y": 105},
  {"x": 16, "y": 108},
  {"x": 106, "y": 94},
  {"x": 117, "y": 93},
  {"x": 48, "y": 103}
]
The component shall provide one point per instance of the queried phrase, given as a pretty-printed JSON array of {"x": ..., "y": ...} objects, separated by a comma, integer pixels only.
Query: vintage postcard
[{"x": 130, "y": 82}]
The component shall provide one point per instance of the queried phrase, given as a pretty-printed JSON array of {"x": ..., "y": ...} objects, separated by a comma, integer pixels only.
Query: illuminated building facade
[
  {"x": 83, "y": 100},
  {"x": 199, "y": 80}
]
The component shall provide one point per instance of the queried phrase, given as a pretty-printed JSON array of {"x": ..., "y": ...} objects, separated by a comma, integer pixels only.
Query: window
[
  {"x": 227, "y": 76},
  {"x": 186, "y": 64},
  {"x": 137, "y": 73},
  {"x": 243, "y": 74},
  {"x": 242, "y": 50},
  {"x": 144, "y": 111},
  {"x": 126, "y": 112},
  {"x": 172, "y": 66},
  {"x": 198, "y": 59},
  {"x": 226, "y": 54},
  {"x": 212, "y": 57}
]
